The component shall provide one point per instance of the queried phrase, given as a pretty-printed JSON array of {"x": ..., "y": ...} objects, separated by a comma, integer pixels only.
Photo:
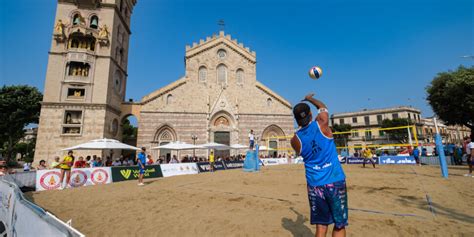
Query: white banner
[
  {"x": 7, "y": 205},
  {"x": 274, "y": 161},
  {"x": 49, "y": 179},
  {"x": 179, "y": 169}
]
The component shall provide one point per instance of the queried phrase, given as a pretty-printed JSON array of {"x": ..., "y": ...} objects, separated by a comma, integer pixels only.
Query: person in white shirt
[
  {"x": 470, "y": 154},
  {"x": 251, "y": 139},
  {"x": 117, "y": 162}
]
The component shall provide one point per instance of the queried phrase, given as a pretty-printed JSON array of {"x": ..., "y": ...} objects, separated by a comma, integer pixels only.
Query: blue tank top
[{"x": 320, "y": 156}]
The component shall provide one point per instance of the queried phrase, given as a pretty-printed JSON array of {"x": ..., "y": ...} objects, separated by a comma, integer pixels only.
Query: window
[
  {"x": 78, "y": 69},
  {"x": 221, "y": 54},
  {"x": 355, "y": 134},
  {"x": 118, "y": 81},
  {"x": 75, "y": 93},
  {"x": 94, "y": 24},
  {"x": 76, "y": 19},
  {"x": 394, "y": 116},
  {"x": 368, "y": 135},
  {"x": 367, "y": 120},
  {"x": 379, "y": 119},
  {"x": 381, "y": 133},
  {"x": 169, "y": 99},
  {"x": 354, "y": 120},
  {"x": 269, "y": 102},
  {"x": 222, "y": 74},
  {"x": 341, "y": 121},
  {"x": 114, "y": 127},
  {"x": 239, "y": 75},
  {"x": 202, "y": 74},
  {"x": 72, "y": 122},
  {"x": 80, "y": 41},
  {"x": 409, "y": 116}
]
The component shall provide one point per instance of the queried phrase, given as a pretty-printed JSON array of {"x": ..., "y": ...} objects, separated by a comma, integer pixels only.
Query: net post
[{"x": 439, "y": 147}]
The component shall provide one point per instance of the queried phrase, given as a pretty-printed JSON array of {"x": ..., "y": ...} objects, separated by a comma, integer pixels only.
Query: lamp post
[{"x": 194, "y": 137}]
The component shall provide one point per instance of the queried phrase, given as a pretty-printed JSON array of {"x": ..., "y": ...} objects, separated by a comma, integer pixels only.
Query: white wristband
[{"x": 323, "y": 110}]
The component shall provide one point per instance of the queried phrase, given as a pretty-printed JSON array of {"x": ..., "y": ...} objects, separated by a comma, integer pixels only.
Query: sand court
[{"x": 386, "y": 201}]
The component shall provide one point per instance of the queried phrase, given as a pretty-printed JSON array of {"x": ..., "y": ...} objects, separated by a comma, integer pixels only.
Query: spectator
[
  {"x": 3, "y": 168},
  {"x": 108, "y": 161},
  {"x": 149, "y": 160},
  {"x": 42, "y": 165},
  {"x": 117, "y": 162},
  {"x": 98, "y": 162},
  {"x": 131, "y": 162},
  {"x": 55, "y": 163},
  {"x": 416, "y": 155},
  {"x": 80, "y": 163},
  {"x": 26, "y": 166},
  {"x": 174, "y": 160},
  {"x": 88, "y": 162}
]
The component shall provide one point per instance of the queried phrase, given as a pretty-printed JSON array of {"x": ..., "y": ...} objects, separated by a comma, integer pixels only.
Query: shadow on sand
[{"x": 297, "y": 227}]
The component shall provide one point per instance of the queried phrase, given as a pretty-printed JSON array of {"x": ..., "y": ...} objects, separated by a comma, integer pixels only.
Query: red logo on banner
[
  {"x": 50, "y": 180},
  {"x": 99, "y": 176},
  {"x": 78, "y": 178}
]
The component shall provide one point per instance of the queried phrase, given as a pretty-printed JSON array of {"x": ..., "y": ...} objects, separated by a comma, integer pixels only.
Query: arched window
[
  {"x": 269, "y": 102},
  {"x": 221, "y": 74},
  {"x": 239, "y": 75},
  {"x": 169, "y": 99},
  {"x": 76, "y": 19},
  {"x": 202, "y": 74},
  {"x": 94, "y": 24}
]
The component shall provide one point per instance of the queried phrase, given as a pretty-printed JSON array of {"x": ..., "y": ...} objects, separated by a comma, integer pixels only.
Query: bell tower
[{"x": 86, "y": 75}]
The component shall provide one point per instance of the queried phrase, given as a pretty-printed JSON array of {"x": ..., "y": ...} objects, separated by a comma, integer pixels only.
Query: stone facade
[
  {"x": 219, "y": 94},
  {"x": 86, "y": 75}
]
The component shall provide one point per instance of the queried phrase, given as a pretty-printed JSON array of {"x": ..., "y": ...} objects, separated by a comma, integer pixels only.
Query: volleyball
[{"x": 315, "y": 72}]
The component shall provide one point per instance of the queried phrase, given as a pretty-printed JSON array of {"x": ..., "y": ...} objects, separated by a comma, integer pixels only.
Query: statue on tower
[
  {"x": 59, "y": 31},
  {"x": 104, "y": 35}
]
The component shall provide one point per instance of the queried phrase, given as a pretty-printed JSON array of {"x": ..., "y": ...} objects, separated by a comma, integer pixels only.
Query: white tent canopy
[
  {"x": 238, "y": 146},
  {"x": 102, "y": 144},
  {"x": 215, "y": 146},
  {"x": 178, "y": 146}
]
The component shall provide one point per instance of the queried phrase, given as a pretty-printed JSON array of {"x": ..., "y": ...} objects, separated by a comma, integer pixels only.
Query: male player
[
  {"x": 141, "y": 161},
  {"x": 367, "y": 155},
  {"x": 324, "y": 175}
]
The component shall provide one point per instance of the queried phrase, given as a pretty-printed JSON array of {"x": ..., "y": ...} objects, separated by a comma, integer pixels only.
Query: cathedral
[{"x": 217, "y": 100}]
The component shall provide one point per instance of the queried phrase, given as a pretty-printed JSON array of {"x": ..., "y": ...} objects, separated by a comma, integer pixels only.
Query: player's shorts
[
  {"x": 141, "y": 171},
  {"x": 252, "y": 142},
  {"x": 328, "y": 204}
]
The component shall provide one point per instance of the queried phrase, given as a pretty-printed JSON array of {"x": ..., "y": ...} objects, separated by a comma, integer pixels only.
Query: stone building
[
  {"x": 217, "y": 100},
  {"x": 86, "y": 75}
]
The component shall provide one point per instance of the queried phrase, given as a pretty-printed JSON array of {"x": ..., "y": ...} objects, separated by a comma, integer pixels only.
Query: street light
[{"x": 194, "y": 137}]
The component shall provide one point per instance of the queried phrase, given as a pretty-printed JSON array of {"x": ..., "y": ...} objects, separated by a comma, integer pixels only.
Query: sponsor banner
[
  {"x": 179, "y": 169},
  {"x": 397, "y": 160},
  {"x": 360, "y": 160},
  {"x": 7, "y": 205},
  {"x": 124, "y": 173},
  {"x": 274, "y": 161},
  {"x": 24, "y": 179},
  {"x": 205, "y": 166},
  {"x": 297, "y": 160},
  {"x": 342, "y": 159},
  {"x": 49, "y": 179},
  {"x": 234, "y": 164}
]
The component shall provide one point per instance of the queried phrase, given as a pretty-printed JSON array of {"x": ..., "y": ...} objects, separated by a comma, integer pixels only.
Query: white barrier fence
[
  {"x": 179, "y": 169},
  {"x": 274, "y": 161},
  {"x": 19, "y": 217},
  {"x": 49, "y": 179}
]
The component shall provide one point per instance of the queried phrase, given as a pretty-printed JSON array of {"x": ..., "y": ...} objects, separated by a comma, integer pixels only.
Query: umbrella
[
  {"x": 178, "y": 146},
  {"x": 215, "y": 146},
  {"x": 264, "y": 148},
  {"x": 238, "y": 146},
  {"x": 102, "y": 144}
]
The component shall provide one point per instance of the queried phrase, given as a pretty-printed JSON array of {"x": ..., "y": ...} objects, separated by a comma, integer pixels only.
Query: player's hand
[{"x": 308, "y": 96}]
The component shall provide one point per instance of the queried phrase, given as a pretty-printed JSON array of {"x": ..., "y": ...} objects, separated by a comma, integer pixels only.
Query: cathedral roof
[{"x": 215, "y": 40}]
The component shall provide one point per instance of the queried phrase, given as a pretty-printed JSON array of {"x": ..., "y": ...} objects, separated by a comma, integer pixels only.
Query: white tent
[
  {"x": 215, "y": 146},
  {"x": 264, "y": 148},
  {"x": 238, "y": 146},
  {"x": 102, "y": 144},
  {"x": 178, "y": 146}
]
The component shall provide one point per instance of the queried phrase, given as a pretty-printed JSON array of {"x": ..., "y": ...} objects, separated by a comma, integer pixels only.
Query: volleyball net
[{"x": 392, "y": 139}]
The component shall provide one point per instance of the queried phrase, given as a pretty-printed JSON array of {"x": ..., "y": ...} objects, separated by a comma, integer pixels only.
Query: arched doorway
[
  {"x": 274, "y": 138},
  {"x": 221, "y": 132},
  {"x": 164, "y": 135},
  {"x": 129, "y": 128}
]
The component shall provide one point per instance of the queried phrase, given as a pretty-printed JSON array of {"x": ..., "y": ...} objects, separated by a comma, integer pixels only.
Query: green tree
[
  {"x": 341, "y": 139},
  {"x": 451, "y": 95},
  {"x": 19, "y": 106},
  {"x": 399, "y": 135}
]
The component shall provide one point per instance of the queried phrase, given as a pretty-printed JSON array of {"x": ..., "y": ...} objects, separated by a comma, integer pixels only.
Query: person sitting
[
  {"x": 42, "y": 165},
  {"x": 117, "y": 162},
  {"x": 55, "y": 163},
  {"x": 80, "y": 163}
]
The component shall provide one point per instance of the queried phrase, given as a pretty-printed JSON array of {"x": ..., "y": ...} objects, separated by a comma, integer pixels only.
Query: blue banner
[{"x": 397, "y": 160}]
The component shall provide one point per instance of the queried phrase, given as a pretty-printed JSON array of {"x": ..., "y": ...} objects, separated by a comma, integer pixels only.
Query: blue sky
[{"x": 373, "y": 54}]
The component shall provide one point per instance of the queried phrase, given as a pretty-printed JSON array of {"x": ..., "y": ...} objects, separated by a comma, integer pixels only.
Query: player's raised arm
[{"x": 323, "y": 115}]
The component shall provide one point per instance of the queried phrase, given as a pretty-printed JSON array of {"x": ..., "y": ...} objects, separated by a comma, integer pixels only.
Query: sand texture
[{"x": 386, "y": 201}]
